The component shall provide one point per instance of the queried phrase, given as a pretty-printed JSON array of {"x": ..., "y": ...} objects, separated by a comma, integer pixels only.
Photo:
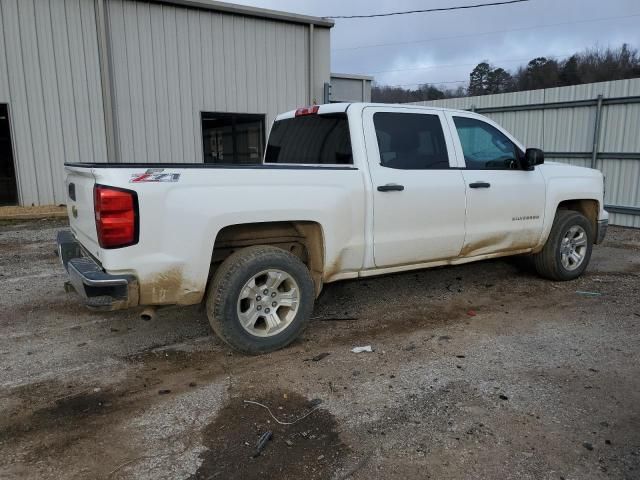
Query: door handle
[
  {"x": 479, "y": 185},
  {"x": 391, "y": 187}
]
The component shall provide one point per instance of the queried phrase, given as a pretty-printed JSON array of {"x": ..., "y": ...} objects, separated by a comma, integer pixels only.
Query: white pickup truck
[{"x": 344, "y": 191}]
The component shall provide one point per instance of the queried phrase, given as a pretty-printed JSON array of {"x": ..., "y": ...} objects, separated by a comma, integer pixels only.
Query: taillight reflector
[
  {"x": 307, "y": 111},
  {"x": 116, "y": 213}
]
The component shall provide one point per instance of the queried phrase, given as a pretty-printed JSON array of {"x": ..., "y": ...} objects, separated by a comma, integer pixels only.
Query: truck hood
[
  {"x": 557, "y": 169},
  {"x": 570, "y": 182}
]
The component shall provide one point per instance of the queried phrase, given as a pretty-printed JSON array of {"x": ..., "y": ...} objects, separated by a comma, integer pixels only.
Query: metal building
[
  {"x": 593, "y": 125},
  {"x": 145, "y": 81},
  {"x": 346, "y": 87}
]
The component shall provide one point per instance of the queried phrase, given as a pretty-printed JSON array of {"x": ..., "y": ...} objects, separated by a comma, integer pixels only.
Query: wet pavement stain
[{"x": 310, "y": 448}]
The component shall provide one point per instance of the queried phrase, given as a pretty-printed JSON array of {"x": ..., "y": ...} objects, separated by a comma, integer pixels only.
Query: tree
[
  {"x": 591, "y": 65},
  {"x": 484, "y": 80},
  {"x": 457, "y": 93},
  {"x": 389, "y": 94},
  {"x": 569, "y": 74},
  {"x": 429, "y": 92},
  {"x": 499, "y": 81},
  {"x": 479, "y": 79},
  {"x": 540, "y": 72},
  {"x": 596, "y": 65}
]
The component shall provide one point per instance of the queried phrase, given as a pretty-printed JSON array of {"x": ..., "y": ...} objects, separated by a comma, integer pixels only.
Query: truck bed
[{"x": 180, "y": 217}]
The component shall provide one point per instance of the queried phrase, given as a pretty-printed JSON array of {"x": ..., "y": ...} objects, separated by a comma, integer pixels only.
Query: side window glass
[
  {"x": 410, "y": 141},
  {"x": 484, "y": 147}
]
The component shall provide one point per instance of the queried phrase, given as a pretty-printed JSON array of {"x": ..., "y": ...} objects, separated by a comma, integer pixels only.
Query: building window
[{"x": 233, "y": 138}]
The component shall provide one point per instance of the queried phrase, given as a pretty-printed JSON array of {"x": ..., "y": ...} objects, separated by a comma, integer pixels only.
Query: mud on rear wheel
[
  {"x": 260, "y": 299},
  {"x": 567, "y": 252}
]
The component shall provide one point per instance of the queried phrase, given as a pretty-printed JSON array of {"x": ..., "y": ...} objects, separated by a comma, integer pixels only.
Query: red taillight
[
  {"x": 116, "y": 216},
  {"x": 307, "y": 111}
]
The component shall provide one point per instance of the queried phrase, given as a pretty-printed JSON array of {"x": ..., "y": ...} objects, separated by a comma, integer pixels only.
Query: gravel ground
[{"x": 478, "y": 371}]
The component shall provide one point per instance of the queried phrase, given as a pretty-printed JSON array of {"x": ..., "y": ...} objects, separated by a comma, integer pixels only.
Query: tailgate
[{"x": 80, "y": 182}]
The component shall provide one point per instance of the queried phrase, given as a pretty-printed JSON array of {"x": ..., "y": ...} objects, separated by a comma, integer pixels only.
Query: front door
[
  {"x": 418, "y": 192},
  {"x": 8, "y": 188},
  {"x": 505, "y": 204}
]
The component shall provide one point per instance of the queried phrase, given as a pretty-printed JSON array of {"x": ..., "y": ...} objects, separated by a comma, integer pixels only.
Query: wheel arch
[
  {"x": 558, "y": 249},
  {"x": 305, "y": 239},
  {"x": 588, "y": 206}
]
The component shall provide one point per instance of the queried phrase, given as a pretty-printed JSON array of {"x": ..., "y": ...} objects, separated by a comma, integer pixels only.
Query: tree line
[{"x": 591, "y": 65}]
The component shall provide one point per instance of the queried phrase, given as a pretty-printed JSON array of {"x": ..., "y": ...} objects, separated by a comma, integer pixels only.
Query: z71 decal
[{"x": 154, "y": 175}]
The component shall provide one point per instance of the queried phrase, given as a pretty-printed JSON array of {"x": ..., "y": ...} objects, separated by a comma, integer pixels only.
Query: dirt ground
[{"x": 478, "y": 371}]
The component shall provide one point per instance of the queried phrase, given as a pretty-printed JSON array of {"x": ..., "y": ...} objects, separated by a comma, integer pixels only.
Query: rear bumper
[
  {"x": 98, "y": 289},
  {"x": 601, "y": 230}
]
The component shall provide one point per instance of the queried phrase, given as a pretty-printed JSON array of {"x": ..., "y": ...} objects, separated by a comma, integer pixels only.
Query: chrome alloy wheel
[
  {"x": 268, "y": 303},
  {"x": 573, "y": 248}
]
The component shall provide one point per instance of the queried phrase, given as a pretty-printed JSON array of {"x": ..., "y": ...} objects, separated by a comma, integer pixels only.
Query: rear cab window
[{"x": 322, "y": 139}]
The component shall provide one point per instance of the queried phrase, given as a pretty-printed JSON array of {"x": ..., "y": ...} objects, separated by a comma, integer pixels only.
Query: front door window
[{"x": 485, "y": 147}]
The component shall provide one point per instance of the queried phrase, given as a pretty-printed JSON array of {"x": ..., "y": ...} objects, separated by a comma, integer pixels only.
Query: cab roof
[{"x": 343, "y": 106}]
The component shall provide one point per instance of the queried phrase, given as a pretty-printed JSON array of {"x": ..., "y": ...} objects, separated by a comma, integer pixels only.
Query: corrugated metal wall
[
  {"x": 49, "y": 76},
  {"x": 571, "y": 130},
  {"x": 167, "y": 65},
  {"x": 170, "y": 64},
  {"x": 345, "y": 89}
]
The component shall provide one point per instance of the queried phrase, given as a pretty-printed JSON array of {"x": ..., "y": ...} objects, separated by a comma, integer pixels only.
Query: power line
[
  {"x": 443, "y": 9},
  {"x": 496, "y": 61},
  {"x": 451, "y": 37}
]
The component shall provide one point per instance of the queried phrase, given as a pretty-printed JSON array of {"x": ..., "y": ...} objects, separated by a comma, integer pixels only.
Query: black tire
[
  {"x": 225, "y": 290},
  {"x": 548, "y": 262}
]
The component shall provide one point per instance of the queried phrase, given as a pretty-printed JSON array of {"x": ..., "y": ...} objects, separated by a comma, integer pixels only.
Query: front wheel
[
  {"x": 260, "y": 300},
  {"x": 567, "y": 252}
]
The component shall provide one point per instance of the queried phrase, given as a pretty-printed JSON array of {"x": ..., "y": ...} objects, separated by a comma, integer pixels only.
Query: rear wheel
[
  {"x": 567, "y": 252},
  {"x": 260, "y": 300}
]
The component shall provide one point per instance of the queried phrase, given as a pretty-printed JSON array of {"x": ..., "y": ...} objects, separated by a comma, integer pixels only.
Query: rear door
[
  {"x": 80, "y": 182},
  {"x": 505, "y": 204},
  {"x": 418, "y": 192}
]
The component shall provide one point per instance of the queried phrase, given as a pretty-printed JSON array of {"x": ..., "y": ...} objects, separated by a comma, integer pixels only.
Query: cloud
[{"x": 506, "y": 36}]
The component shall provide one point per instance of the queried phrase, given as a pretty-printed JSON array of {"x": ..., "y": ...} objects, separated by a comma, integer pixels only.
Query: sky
[{"x": 443, "y": 47}]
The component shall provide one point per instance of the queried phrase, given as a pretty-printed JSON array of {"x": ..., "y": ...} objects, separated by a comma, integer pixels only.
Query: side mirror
[{"x": 533, "y": 157}]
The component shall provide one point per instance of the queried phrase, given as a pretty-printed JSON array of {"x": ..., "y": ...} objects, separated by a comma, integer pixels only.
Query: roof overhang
[
  {"x": 248, "y": 11},
  {"x": 352, "y": 76}
]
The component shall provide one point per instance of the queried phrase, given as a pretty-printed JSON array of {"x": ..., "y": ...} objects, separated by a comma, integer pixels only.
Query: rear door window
[
  {"x": 411, "y": 141},
  {"x": 310, "y": 140}
]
